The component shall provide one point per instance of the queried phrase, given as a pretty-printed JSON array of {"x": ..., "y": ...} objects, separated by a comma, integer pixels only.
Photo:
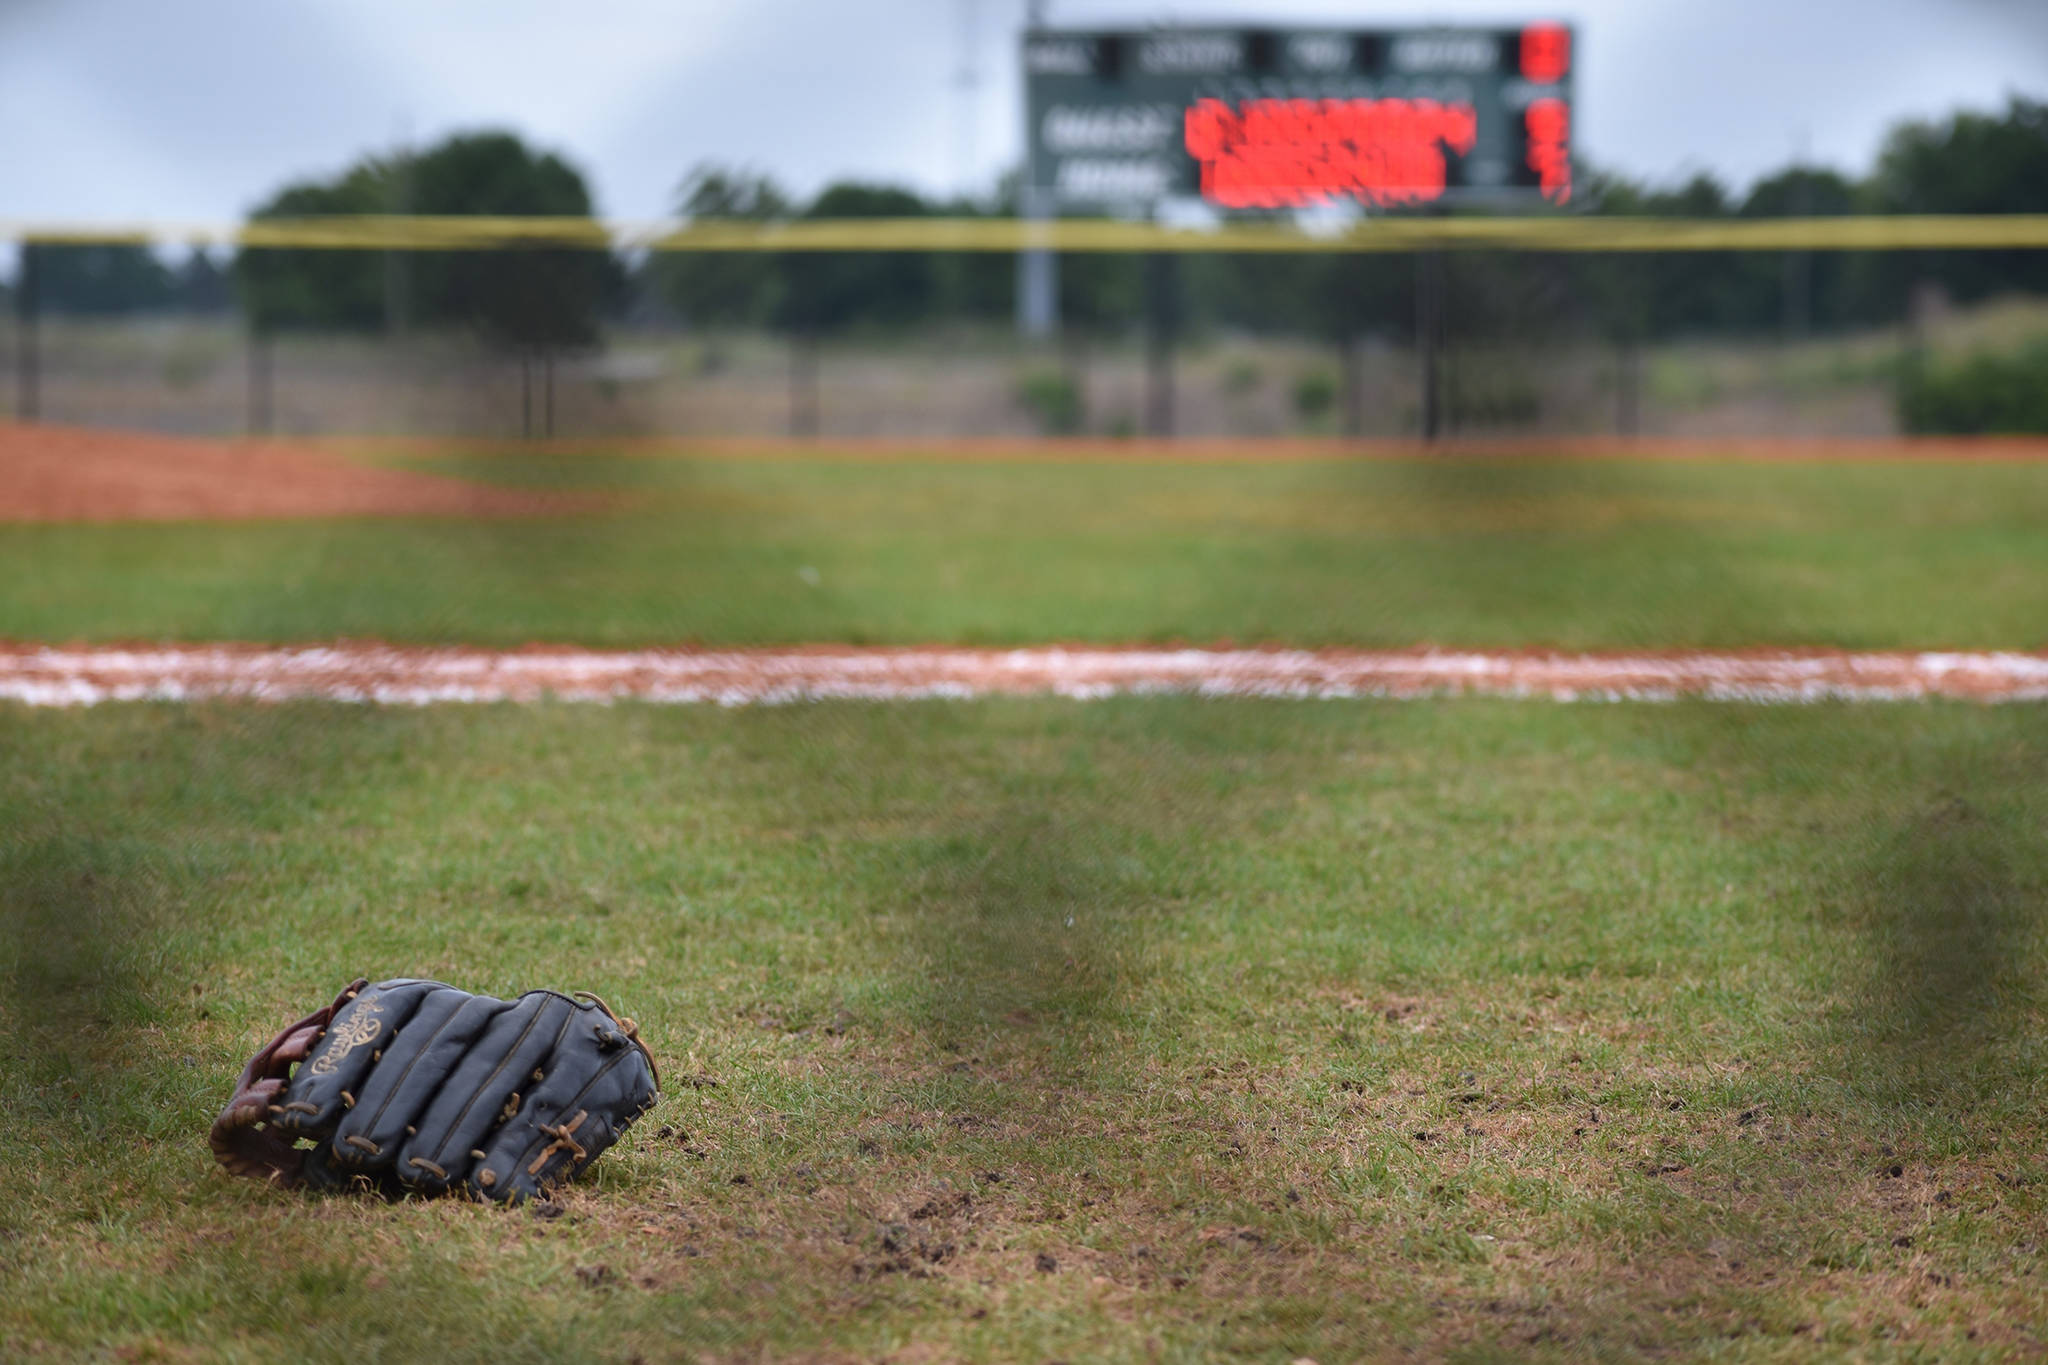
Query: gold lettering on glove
[{"x": 358, "y": 1029}]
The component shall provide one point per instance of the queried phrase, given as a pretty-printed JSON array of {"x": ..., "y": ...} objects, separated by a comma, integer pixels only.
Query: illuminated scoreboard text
[{"x": 1264, "y": 119}]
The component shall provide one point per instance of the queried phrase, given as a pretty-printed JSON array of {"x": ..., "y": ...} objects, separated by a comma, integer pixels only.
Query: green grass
[
  {"x": 1466, "y": 1029},
  {"x": 1455, "y": 1029},
  {"x": 1592, "y": 554}
]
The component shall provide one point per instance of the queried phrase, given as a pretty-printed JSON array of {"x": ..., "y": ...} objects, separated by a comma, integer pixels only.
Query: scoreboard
[{"x": 1272, "y": 119}]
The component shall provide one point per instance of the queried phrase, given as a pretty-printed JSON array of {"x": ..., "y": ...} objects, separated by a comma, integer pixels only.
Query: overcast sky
[{"x": 198, "y": 109}]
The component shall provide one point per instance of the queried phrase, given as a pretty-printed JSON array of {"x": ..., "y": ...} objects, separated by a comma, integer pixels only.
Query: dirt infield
[
  {"x": 52, "y": 474},
  {"x": 78, "y": 474},
  {"x": 44, "y": 676},
  {"x": 90, "y": 474}
]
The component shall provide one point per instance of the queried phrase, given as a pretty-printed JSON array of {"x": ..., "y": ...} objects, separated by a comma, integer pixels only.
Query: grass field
[
  {"x": 1581, "y": 554},
  {"x": 1278, "y": 1028},
  {"x": 1030, "y": 1029}
]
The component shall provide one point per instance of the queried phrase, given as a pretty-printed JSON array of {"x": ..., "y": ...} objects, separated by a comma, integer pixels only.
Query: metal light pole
[
  {"x": 1038, "y": 278},
  {"x": 967, "y": 85}
]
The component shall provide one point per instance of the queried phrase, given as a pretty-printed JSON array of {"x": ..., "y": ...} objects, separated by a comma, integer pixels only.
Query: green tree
[
  {"x": 538, "y": 298},
  {"x": 292, "y": 288},
  {"x": 1832, "y": 281},
  {"x": 1104, "y": 292},
  {"x": 1690, "y": 291},
  {"x": 1330, "y": 296},
  {"x": 102, "y": 280},
  {"x": 724, "y": 289},
  {"x": 978, "y": 286},
  {"x": 1966, "y": 163},
  {"x": 550, "y": 298},
  {"x": 829, "y": 291}
]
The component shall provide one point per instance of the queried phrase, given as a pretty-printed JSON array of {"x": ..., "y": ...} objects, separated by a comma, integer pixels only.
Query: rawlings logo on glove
[{"x": 414, "y": 1086}]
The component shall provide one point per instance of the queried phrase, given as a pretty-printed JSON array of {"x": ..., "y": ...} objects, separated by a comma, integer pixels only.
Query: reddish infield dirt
[
  {"x": 45, "y": 676},
  {"x": 73, "y": 474},
  {"x": 50, "y": 473}
]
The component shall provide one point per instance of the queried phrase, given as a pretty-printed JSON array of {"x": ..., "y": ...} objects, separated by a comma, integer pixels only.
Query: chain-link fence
[{"x": 1574, "y": 328}]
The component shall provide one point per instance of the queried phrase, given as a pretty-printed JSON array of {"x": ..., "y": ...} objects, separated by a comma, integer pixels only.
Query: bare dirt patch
[{"x": 71, "y": 474}]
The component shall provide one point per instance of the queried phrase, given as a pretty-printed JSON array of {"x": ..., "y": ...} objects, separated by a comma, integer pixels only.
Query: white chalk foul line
[{"x": 47, "y": 676}]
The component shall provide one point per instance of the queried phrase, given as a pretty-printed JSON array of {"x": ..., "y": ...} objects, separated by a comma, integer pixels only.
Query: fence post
[
  {"x": 1628, "y": 391},
  {"x": 1351, "y": 365},
  {"x": 1798, "y": 291},
  {"x": 1074, "y": 364},
  {"x": 1636, "y": 281},
  {"x": 27, "y": 372},
  {"x": 1429, "y": 327},
  {"x": 261, "y": 407},
  {"x": 1925, "y": 302},
  {"x": 526, "y": 395},
  {"x": 1162, "y": 315},
  {"x": 1798, "y": 284},
  {"x": 803, "y": 384},
  {"x": 547, "y": 374}
]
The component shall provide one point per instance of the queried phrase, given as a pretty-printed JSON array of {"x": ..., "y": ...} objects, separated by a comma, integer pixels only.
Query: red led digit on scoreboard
[
  {"x": 1546, "y": 53},
  {"x": 1290, "y": 153},
  {"x": 1548, "y": 123}
]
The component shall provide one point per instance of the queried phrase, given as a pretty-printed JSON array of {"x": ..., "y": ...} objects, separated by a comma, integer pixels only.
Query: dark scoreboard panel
[{"x": 1295, "y": 118}]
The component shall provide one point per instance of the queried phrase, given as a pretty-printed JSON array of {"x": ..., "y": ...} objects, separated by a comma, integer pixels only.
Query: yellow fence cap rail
[{"x": 373, "y": 232}]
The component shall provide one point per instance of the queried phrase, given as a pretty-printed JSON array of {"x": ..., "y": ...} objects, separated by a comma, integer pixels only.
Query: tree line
[{"x": 1968, "y": 162}]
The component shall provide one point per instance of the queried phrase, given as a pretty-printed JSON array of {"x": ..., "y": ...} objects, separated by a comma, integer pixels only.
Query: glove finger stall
[
  {"x": 567, "y": 1122},
  {"x": 482, "y": 1089},
  {"x": 325, "y": 1084},
  {"x": 406, "y": 1076}
]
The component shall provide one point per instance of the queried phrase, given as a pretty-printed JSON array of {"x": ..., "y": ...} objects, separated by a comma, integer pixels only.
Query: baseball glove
[{"x": 413, "y": 1086}]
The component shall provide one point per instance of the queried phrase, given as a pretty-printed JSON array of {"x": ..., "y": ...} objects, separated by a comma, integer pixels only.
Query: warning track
[{"x": 392, "y": 675}]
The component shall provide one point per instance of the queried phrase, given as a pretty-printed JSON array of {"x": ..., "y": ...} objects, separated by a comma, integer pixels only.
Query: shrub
[
  {"x": 1981, "y": 394},
  {"x": 1054, "y": 400},
  {"x": 1314, "y": 394},
  {"x": 1241, "y": 378}
]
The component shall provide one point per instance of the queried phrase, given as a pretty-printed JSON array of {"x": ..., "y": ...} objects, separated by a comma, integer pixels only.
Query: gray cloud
[{"x": 133, "y": 109}]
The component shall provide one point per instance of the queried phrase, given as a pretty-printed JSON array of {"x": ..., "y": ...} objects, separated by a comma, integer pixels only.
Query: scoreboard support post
[
  {"x": 1038, "y": 275},
  {"x": 1038, "y": 294},
  {"x": 27, "y": 363}
]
